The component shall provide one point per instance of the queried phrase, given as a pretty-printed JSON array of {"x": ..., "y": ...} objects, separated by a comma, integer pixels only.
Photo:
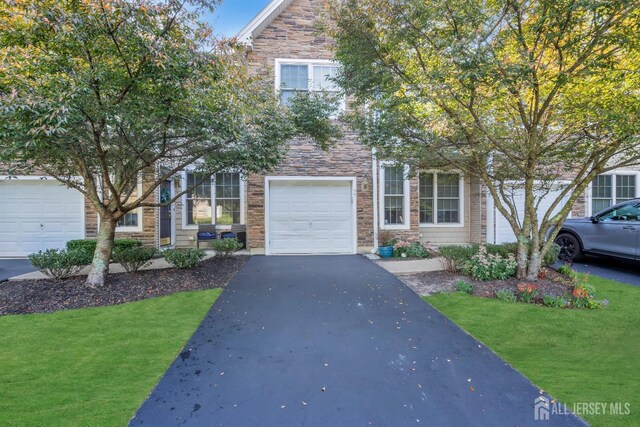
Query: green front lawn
[
  {"x": 575, "y": 355},
  {"x": 92, "y": 366}
]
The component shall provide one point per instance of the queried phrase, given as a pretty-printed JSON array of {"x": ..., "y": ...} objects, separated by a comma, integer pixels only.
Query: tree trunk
[
  {"x": 102, "y": 255},
  {"x": 534, "y": 263},
  {"x": 522, "y": 258}
]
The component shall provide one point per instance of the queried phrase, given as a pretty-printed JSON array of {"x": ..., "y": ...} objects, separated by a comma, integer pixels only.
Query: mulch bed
[
  {"x": 47, "y": 295},
  {"x": 443, "y": 281}
]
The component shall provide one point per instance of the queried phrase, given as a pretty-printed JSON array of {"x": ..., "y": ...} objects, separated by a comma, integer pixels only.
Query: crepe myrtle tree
[
  {"x": 520, "y": 94},
  {"x": 106, "y": 94}
]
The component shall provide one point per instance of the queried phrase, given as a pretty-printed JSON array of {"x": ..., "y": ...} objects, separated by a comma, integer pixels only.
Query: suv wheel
[{"x": 570, "y": 249}]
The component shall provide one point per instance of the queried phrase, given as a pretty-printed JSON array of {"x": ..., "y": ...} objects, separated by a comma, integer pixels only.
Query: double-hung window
[
  {"x": 305, "y": 76},
  {"x": 213, "y": 199},
  {"x": 227, "y": 200},
  {"x": 131, "y": 221},
  {"x": 394, "y": 206},
  {"x": 440, "y": 198},
  {"x": 607, "y": 190}
]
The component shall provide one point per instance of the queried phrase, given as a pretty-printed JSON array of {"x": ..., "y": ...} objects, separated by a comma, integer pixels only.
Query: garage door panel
[
  {"x": 38, "y": 215},
  {"x": 310, "y": 217},
  {"x": 504, "y": 233}
]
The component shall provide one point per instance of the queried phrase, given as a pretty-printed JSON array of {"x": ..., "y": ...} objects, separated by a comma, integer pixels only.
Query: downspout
[{"x": 374, "y": 171}]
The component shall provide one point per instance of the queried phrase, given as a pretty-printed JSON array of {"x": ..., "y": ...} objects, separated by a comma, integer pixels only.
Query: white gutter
[{"x": 374, "y": 171}]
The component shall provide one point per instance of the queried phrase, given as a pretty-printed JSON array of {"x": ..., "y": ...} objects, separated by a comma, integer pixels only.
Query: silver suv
[{"x": 614, "y": 231}]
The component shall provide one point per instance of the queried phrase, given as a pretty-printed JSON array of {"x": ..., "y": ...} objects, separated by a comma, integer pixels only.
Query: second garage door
[
  {"x": 503, "y": 231},
  {"x": 310, "y": 217},
  {"x": 37, "y": 215}
]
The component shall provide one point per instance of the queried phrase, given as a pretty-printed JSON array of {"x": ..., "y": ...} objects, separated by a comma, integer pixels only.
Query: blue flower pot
[{"x": 385, "y": 251}]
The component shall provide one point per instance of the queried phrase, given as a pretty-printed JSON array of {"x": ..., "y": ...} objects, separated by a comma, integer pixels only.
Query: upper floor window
[
  {"x": 607, "y": 190},
  {"x": 213, "y": 199},
  {"x": 440, "y": 198},
  {"x": 303, "y": 76}
]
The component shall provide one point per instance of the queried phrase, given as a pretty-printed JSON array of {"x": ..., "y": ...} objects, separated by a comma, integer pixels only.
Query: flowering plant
[
  {"x": 485, "y": 266},
  {"x": 528, "y": 292}
]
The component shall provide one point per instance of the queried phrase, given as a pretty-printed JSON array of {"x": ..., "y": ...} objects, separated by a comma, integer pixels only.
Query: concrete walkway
[
  {"x": 334, "y": 341},
  {"x": 411, "y": 266}
]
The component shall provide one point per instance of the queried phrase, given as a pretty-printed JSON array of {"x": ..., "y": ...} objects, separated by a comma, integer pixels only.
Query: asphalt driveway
[
  {"x": 14, "y": 267},
  {"x": 334, "y": 341},
  {"x": 610, "y": 268}
]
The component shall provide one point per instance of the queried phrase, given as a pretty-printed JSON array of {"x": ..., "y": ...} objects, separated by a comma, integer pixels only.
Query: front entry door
[{"x": 165, "y": 214}]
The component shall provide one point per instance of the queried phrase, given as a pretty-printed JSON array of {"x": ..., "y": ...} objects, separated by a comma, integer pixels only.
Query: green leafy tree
[
  {"x": 103, "y": 94},
  {"x": 518, "y": 93}
]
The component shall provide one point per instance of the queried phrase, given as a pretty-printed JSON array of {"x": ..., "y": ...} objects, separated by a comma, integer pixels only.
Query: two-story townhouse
[{"x": 315, "y": 202}]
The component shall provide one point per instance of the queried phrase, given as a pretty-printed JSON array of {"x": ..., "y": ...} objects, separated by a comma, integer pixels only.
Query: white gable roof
[{"x": 262, "y": 20}]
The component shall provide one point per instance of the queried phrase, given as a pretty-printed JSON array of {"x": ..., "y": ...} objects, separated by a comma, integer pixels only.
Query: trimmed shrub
[
  {"x": 505, "y": 295},
  {"x": 551, "y": 257},
  {"x": 462, "y": 286},
  {"x": 455, "y": 256},
  {"x": 58, "y": 264},
  {"x": 503, "y": 250},
  {"x": 184, "y": 258},
  {"x": 87, "y": 247},
  {"x": 134, "y": 258},
  {"x": 566, "y": 270},
  {"x": 410, "y": 249},
  {"x": 224, "y": 248}
]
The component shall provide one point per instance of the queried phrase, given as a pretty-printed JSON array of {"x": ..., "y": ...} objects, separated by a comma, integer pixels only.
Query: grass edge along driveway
[
  {"x": 577, "y": 356},
  {"x": 92, "y": 366}
]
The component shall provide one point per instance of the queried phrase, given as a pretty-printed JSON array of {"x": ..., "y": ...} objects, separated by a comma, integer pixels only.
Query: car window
[{"x": 630, "y": 212}]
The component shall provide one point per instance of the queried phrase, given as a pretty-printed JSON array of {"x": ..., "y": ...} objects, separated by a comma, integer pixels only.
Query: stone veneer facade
[{"x": 292, "y": 35}]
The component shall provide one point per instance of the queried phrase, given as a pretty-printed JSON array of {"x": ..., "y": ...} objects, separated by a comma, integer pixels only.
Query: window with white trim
[
  {"x": 220, "y": 194},
  {"x": 394, "y": 197},
  {"x": 300, "y": 76},
  {"x": 227, "y": 200},
  {"x": 440, "y": 198},
  {"x": 132, "y": 221},
  {"x": 607, "y": 190}
]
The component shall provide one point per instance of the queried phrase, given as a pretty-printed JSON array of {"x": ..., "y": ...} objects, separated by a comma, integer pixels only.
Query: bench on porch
[{"x": 208, "y": 232}]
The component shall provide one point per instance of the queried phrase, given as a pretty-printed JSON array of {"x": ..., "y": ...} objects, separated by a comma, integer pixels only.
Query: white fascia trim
[
  {"x": 461, "y": 198},
  {"x": 406, "y": 201},
  {"x": 354, "y": 204},
  {"x": 266, "y": 16}
]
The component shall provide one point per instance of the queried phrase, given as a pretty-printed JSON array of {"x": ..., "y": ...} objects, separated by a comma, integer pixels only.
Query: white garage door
[
  {"x": 503, "y": 231},
  {"x": 37, "y": 215},
  {"x": 310, "y": 217}
]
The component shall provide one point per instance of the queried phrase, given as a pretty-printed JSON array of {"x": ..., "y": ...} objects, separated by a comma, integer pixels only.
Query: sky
[{"x": 233, "y": 15}]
